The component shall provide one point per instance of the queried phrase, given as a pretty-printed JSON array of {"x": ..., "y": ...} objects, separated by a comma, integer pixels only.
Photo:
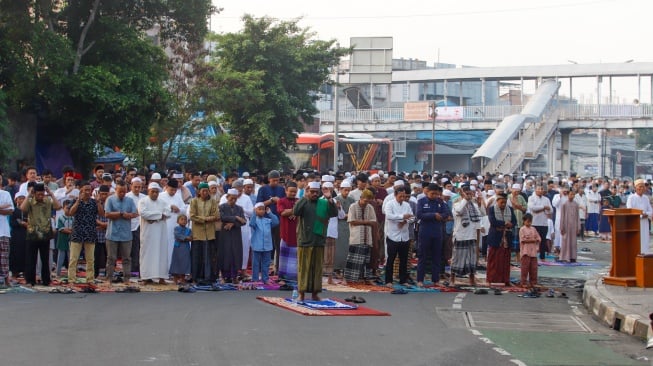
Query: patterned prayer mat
[{"x": 304, "y": 310}]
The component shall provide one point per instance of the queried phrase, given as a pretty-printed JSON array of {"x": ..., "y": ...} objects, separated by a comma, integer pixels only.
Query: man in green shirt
[{"x": 313, "y": 214}]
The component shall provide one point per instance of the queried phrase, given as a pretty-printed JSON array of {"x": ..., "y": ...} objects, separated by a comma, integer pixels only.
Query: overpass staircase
[{"x": 521, "y": 136}]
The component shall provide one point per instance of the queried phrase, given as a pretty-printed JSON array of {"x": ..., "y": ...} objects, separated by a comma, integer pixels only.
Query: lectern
[{"x": 624, "y": 223}]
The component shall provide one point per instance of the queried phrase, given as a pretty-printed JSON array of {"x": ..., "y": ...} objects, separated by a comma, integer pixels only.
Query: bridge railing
[{"x": 496, "y": 113}]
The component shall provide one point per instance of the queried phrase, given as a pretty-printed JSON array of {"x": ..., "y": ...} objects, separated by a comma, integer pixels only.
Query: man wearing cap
[
  {"x": 174, "y": 200},
  {"x": 328, "y": 193},
  {"x": 203, "y": 213},
  {"x": 432, "y": 213},
  {"x": 288, "y": 224},
  {"x": 85, "y": 211},
  {"x": 182, "y": 191},
  {"x": 467, "y": 211},
  {"x": 248, "y": 190},
  {"x": 98, "y": 171},
  {"x": 313, "y": 217},
  {"x": 230, "y": 240},
  {"x": 502, "y": 221},
  {"x": 270, "y": 194},
  {"x": 245, "y": 202},
  {"x": 154, "y": 263},
  {"x": 106, "y": 180},
  {"x": 640, "y": 201},
  {"x": 342, "y": 243},
  {"x": 119, "y": 210},
  {"x": 540, "y": 207}
]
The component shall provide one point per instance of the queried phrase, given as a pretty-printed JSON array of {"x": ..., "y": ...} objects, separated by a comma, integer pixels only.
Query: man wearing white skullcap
[
  {"x": 154, "y": 262},
  {"x": 311, "y": 237},
  {"x": 230, "y": 240}
]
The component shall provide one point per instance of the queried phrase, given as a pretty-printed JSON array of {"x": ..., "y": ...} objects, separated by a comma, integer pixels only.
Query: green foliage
[
  {"x": 644, "y": 138},
  {"x": 263, "y": 83},
  {"x": 7, "y": 149}
]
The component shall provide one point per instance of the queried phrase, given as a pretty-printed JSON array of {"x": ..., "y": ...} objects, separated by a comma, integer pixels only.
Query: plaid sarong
[
  {"x": 4, "y": 256},
  {"x": 287, "y": 262},
  {"x": 358, "y": 259},
  {"x": 463, "y": 260}
]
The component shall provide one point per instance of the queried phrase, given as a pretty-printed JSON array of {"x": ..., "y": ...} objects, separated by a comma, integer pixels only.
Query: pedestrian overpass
[{"x": 519, "y": 131}]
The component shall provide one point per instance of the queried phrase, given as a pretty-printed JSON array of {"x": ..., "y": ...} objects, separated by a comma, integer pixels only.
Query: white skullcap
[
  {"x": 305, "y": 174},
  {"x": 248, "y": 181},
  {"x": 155, "y": 176},
  {"x": 415, "y": 185},
  {"x": 380, "y": 172},
  {"x": 259, "y": 204},
  {"x": 398, "y": 183},
  {"x": 447, "y": 193},
  {"x": 19, "y": 194},
  {"x": 331, "y": 178},
  {"x": 154, "y": 185},
  {"x": 474, "y": 182},
  {"x": 375, "y": 176},
  {"x": 327, "y": 185},
  {"x": 516, "y": 186},
  {"x": 490, "y": 192},
  {"x": 345, "y": 184},
  {"x": 212, "y": 183},
  {"x": 177, "y": 176},
  {"x": 137, "y": 180},
  {"x": 347, "y": 174},
  {"x": 314, "y": 185},
  {"x": 479, "y": 177},
  {"x": 500, "y": 176},
  {"x": 444, "y": 180},
  {"x": 385, "y": 176},
  {"x": 246, "y": 174},
  {"x": 472, "y": 188},
  {"x": 325, "y": 178},
  {"x": 232, "y": 191}
]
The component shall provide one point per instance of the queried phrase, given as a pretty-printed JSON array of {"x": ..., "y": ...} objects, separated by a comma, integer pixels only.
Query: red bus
[{"x": 356, "y": 151}]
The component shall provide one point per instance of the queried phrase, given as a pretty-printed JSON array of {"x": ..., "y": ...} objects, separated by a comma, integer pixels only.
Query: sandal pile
[{"x": 355, "y": 299}]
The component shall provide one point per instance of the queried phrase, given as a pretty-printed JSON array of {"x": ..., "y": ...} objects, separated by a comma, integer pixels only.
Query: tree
[
  {"x": 88, "y": 70},
  {"x": 7, "y": 150},
  {"x": 263, "y": 83}
]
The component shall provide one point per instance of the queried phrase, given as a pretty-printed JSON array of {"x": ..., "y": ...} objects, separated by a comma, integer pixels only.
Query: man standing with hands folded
[{"x": 119, "y": 210}]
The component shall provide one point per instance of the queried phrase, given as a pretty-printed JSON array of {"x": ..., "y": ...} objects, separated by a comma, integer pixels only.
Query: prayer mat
[
  {"x": 338, "y": 287},
  {"x": 359, "y": 311},
  {"x": 369, "y": 288},
  {"x": 326, "y": 304},
  {"x": 564, "y": 264},
  {"x": 415, "y": 288}
]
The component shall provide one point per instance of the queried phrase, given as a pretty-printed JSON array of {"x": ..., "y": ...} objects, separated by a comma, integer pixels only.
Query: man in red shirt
[{"x": 288, "y": 229}]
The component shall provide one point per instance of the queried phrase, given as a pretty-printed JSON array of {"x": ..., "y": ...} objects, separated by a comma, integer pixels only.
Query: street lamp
[{"x": 433, "y": 114}]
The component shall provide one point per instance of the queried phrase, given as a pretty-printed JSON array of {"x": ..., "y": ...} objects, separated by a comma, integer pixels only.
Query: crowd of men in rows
[{"x": 354, "y": 223}]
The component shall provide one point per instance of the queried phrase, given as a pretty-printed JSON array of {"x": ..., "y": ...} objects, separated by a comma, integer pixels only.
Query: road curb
[{"x": 611, "y": 314}]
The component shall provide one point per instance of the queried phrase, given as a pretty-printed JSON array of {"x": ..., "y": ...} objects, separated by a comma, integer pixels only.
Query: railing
[{"x": 496, "y": 113}]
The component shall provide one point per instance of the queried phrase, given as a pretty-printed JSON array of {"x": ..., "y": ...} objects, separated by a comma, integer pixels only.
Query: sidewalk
[{"x": 625, "y": 309}]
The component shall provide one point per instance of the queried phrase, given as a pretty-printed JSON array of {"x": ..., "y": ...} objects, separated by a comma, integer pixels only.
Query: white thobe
[
  {"x": 642, "y": 203},
  {"x": 171, "y": 222},
  {"x": 154, "y": 262}
]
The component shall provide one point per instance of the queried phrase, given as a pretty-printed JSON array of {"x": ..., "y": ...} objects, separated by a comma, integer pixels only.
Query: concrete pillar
[
  {"x": 565, "y": 159},
  {"x": 551, "y": 154}
]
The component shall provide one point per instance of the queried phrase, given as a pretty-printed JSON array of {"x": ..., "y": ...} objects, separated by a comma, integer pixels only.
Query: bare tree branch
[{"x": 80, "y": 44}]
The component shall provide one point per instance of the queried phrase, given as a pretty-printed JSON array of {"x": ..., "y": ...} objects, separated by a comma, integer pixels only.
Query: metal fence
[{"x": 496, "y": 113}]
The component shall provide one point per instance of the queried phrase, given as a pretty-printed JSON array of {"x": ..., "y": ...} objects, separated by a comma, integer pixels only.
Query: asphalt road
[{"x": 233, "y": 328}]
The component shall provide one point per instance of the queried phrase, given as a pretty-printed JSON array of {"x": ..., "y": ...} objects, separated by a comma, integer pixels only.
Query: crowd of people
[{"x": 360, "y": 227}]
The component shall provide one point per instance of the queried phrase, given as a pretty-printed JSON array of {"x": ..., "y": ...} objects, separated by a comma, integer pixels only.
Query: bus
[{"x": 356, "y": 151}]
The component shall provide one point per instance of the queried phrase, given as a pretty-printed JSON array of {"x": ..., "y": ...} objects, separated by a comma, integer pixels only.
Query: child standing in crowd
[
  {"x": 64, "y": 228},
  {"x": 262, "y": 223},
  {"x": 180, "y": 264},
  {"x": 529, "y": 244}
]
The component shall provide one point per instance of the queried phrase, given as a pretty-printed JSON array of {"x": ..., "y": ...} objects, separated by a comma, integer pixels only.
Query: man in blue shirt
[
  {"x": 432, "y": 213},
  {"x": 119, "y": 210}
]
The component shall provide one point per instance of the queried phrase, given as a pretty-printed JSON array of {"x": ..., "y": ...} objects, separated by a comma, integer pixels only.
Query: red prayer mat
[{"x": 360, "y": 311}]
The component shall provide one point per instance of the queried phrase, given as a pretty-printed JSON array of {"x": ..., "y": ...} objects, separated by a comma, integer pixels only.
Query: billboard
[
  {"x": 420, "y": 111},
  {"x": 371, "y": 60}
]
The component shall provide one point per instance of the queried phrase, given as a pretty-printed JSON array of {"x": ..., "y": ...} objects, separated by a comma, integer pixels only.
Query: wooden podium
[{"x": 625, "y": 227}]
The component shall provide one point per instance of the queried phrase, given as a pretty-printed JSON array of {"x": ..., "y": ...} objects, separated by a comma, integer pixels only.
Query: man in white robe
[
  {"x": 641, "y": 201},
  {"x": 176, "y": 205},
  {"x": 154, "y": 262}
]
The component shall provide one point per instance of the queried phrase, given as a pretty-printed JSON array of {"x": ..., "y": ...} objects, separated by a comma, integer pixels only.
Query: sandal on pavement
[
  {"x": 399, "y": 291},
  {"x": 358, "y": 300}
]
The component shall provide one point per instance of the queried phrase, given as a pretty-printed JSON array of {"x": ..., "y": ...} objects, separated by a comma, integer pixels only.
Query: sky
[{"x": 472, "y": 32}]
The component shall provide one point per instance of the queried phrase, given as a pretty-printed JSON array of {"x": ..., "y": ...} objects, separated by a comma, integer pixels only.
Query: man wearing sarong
[
  {"x": 230, "y": 240},
  {"x": 153, "y": 254},
  {"x": 502, "y": 221},
  {"x": 203, "y": 214},
  {"x": 362, "y": 229},
  {"x": 342, "y": 243},
  {"x": 288, "y": 250},
  {"x": 467, "y": 220},
  {"x": 313, "y": 214}
]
